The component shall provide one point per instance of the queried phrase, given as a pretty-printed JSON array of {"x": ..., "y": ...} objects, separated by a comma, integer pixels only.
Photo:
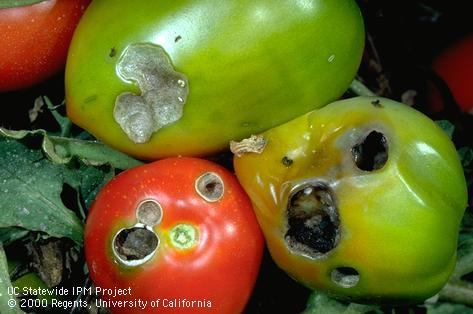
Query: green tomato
[
  {"x": 362, "y": 198},
  {"x": 34, "y": 282},
  {"x": 163, "y": 78}
]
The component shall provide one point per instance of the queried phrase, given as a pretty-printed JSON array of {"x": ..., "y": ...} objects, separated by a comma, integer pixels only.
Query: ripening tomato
[
  {"x": 34, "y": 40},
  {"x": 178, "y": 232},
  {"x": 362, "y": 198},
  {"x": 164, "y": 78},
  {"x": 455, "y": 66}
]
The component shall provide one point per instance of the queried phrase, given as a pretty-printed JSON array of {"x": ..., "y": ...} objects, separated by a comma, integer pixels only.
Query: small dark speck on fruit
[
  {"x": 287, "y": 161},
  {"x": 377, "y": 103},
  {"x": 91, "y": 98},
  {"x": 113, "y": 52},
  {"x": 179, "y": 37}
]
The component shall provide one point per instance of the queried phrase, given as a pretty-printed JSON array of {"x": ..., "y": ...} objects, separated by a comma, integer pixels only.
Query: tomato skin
[
  {"x": 455, "y": 66},
  {"x": 245, "y": 61},
  {"x": 34, "y": 41},
  {"x": 398, "y": 224},
  {"x": 221, "y": 268}
]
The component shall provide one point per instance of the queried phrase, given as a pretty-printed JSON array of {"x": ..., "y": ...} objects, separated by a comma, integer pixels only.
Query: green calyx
[{"x": 184, "y": 236}]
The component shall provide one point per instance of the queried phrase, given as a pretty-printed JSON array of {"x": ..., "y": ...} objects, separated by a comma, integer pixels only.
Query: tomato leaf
[
  {"x": 8, "y": 303},
  {"x": 36, "y": 170},
  {"x": 466, "y": 157},
  {"x": 320, "y": 303},
  {"x": 63, "y": 121},
  {"x": 447, "y": 126},
  {"x": 30, "y": 188},
  {"x": 17, "y": 3},
  {"x": 465, "y": 247},
  {"x": 32, "y": 181},
  {"x": 458, "y": 290},
  {"x": 11, "y": 234},
  {"x": 61, "y": 150},
  {"x": 448, "y": 308}
]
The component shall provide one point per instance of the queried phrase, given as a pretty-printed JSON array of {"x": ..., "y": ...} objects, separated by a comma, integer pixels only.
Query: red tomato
[
  {"x": 34, "y": 40},
  {"x": 178, "y": 234},
  {"x": 455, "y": 66}
]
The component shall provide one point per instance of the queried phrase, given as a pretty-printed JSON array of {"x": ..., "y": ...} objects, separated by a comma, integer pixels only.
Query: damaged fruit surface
[
  {"x": 362, "y": 198},
  {"x": 163, "y": 92},
  {"x": 163, "y": 77},
  {"x": 179, "y": 228}
]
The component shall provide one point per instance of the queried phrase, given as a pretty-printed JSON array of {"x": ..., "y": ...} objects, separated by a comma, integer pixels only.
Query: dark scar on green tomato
[
  {"x": 377, "y": 103},
  {"x": 286, "y": 161}
]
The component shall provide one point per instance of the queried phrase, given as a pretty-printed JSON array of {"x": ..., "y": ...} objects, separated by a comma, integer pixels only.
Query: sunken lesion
[
  {"x": 210, "y": 187},
  {"x": 135, "y": 244},
  {"x": 345, "y": 277},
  {"x": 371, "y": 153},
  {"x": 149, "y": 212},
  {"x": 163, "y": 90},
  {"x": 313, "y": 224}
]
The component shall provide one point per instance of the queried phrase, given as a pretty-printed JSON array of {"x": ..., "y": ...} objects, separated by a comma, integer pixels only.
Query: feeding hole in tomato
[
  {"x": 210, "y": 186},
  {"x": 345, "y": 277},
  {"x": 372, "y": 153},
  {"x": 135, "y": 246},
  {"x": 149, "y": 213},
  {"x": 312, "y": 220},
  {"x": 163, "y": 92}
]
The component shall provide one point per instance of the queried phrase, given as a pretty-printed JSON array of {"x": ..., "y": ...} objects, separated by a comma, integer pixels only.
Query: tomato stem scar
[{"x": 184, "y": 236}]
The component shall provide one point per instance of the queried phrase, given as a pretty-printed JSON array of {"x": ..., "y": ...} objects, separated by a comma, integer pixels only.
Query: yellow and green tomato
[{"x": 362, "y": 198}]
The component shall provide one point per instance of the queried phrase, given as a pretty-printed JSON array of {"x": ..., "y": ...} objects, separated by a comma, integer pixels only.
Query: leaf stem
[
  {"x": 8, "y": 303},
  {"x": 64, "y": 123},
  {"x": 60, "y": 150},
  {"x": 360, "y": 89},
  {"x": 94, "y": 153}
]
